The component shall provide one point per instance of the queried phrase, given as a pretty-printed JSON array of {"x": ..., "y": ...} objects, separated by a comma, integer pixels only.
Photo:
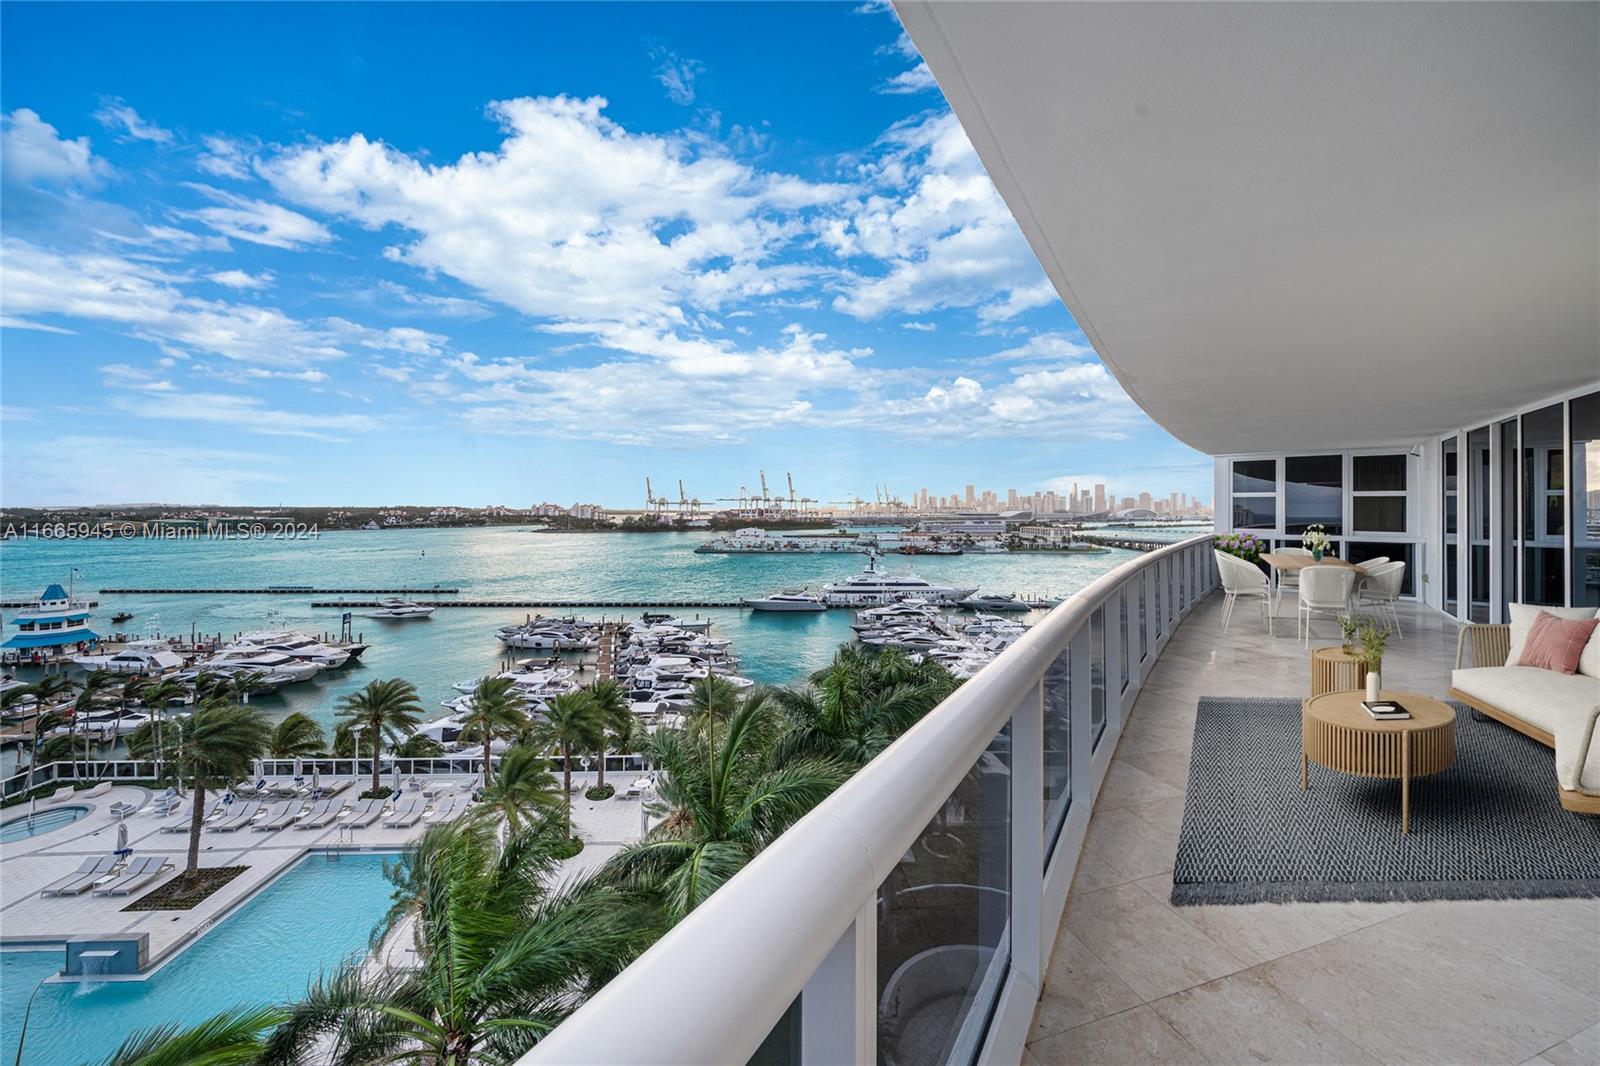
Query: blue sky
[{"x": 507, "y": 253}]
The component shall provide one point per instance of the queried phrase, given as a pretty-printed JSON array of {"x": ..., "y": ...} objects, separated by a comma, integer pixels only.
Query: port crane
[{"x": 653, "y": 504}]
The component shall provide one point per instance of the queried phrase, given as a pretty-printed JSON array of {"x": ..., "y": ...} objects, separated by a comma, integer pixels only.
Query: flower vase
[
  {"x": 1374, "y": 683},
  {"x": 1316, "y": 554}
]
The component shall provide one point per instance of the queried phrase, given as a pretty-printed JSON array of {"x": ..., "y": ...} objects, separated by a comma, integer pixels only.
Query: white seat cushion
[{"x": 1559, "y": 704}]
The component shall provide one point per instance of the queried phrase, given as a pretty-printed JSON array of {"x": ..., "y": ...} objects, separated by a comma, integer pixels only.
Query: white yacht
[
  {"x": 296, "y": 645},
  {"x": 874, "y": 586},
  {"x": 692, "y": 625},
  {"x": 994, "y": 602},
  {"x": 136, "y": 657},
  {"x": 233, "y": 660},
  {"x": 398, "y": 608},
  {"x": 792, "y": 600}
]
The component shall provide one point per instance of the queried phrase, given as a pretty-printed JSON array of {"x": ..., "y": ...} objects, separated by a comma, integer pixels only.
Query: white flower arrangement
[{"x": 1316, "y": 539}]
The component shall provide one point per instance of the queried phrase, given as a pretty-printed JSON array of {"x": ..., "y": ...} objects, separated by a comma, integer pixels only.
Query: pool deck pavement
[{"x": 28, "y": 865}]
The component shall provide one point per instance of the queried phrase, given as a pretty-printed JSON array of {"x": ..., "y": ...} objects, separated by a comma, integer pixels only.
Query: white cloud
[
  {"x": 919, "y": 327},
  {"x": 258, "y": 221},
  {"x": 239, "y": 279},
  {"x": 919, "y": 79},
  {"x": 448, "y": 306},
  {"x": 8, "y": 322},
  {"x": 147, "y": 301},
  {"x": 226, "y": 157},
  {"x": 144, "y": 395},
  {"x": 1041, "y": 347},
  {"x": 572, "y": 218},
  {"x": 935, "y": 221},
  {"x": 31, "y": 151},
  {"x": 115, "y": 114},
  {"x": 677, "y": 74}
]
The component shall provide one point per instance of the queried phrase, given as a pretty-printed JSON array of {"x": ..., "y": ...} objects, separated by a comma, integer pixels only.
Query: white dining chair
[
  {"x": 1288, "y": 579},
  {"x": 1381, "y": 589},
  {"x": 1324, "y": 590},
  {"x": 1240, "y": 578},
  {"x": 1367, "y": 566}
]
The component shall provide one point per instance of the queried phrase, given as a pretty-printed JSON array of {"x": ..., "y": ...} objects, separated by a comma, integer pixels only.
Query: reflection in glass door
[
  {"x": 1584, "y": 414},
  {"x": 1447, "y": 471},
  {"x": 1479, "y": 515},
  {"x": 1543, "y": 508},
  {"x": 1509, "y": 538}
]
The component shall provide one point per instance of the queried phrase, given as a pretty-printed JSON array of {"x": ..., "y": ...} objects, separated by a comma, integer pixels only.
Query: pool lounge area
[{"x": 244, "y": 945}]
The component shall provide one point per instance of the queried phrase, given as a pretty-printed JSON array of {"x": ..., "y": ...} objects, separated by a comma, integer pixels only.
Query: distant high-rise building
[
  {"x": 1011, "y": 499},
  {"x": 1099, "y": 497},
  {"x": 972, "y": 497},
  {"x": 1144, "y": 501}
]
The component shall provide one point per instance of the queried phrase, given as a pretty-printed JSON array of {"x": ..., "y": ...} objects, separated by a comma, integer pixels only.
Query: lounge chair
[
  {"x": 181, "y": 823},
  {"x": 88, "y": 872},
  {"x": 281, "y": 815},
  {"x": 238, "y": 816},
  {"x": 446, "y": 807},
  {"x": 365, "y": 812},
  {"x": 407, "y": 812},
  {"x": 332, "y": 787},
  {"x": 135, "y": 875},
  {"x": 290, "y": 789},
  {"x": 321, "y": 814},
  {"x": 65, "y": 792},
  {"x": 166, "y": 803},
  {"x": 435, "y": 789},
  {"x": 249, "y": 791},
  {"x": 123, "y": 810}
]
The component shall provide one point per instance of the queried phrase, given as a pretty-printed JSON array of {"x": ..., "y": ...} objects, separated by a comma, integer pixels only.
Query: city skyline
[{"x": 566, "y": 255}]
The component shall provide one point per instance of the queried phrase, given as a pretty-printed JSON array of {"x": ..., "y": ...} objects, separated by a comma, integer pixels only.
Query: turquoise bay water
[
  {"x": 311, "y": 919},
  {"x": 494, "y": 562}
]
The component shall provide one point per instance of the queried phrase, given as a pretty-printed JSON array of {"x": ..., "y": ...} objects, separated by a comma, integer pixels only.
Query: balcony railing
[{"x": 908, "y": 918}]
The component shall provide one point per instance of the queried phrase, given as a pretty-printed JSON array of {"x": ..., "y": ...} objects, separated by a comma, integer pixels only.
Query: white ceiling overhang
[{"x": 1300, "y": 225}]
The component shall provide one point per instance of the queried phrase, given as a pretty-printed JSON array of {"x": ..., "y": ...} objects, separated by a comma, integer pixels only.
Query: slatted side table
[
  {"x": 1336, "y": 670},
  {"x": 1337, "y": 732}
]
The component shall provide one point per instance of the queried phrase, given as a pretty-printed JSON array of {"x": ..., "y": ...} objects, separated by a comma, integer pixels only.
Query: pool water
[
  {"x": 42, "y": 822},
  {"x": 318, "y": 913}
]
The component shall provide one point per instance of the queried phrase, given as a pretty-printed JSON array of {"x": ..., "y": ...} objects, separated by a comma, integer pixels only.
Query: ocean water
[
  {"x": 500, "y": 562},
  {"x": 242, "y": 962}
]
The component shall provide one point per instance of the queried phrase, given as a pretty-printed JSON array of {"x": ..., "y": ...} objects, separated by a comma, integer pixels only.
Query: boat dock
[
  {"x": 345, "y": 605},
  {"x": 282, "y": 590}
]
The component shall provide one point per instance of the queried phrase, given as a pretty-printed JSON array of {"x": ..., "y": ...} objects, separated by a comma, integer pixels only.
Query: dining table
[{"x": 1279, "y": 563}]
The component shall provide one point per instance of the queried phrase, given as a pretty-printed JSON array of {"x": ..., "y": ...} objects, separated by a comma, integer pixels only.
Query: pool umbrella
[
  {"x": 297, "y": 772},
  {"x": 316, "y": 780},
  {"x": 122, "y": 838},
  {"x": 394, "y": 775},
  {"x": 257, "y": 771}
]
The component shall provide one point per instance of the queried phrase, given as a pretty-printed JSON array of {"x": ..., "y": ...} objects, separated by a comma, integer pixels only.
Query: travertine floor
[{"x": 1134, "y": 979}]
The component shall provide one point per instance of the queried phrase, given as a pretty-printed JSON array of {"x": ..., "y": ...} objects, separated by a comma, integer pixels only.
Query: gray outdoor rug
[{"x": 1489, "y": 827}]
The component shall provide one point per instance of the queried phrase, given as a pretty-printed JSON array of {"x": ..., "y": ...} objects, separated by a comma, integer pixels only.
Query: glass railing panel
[
  {"x": 1122, "y": 628},
  {"x": 1142, "y": 584},
  {"x": 943, "y": 913},
  {"x": 1057, "y": 747},
  {"x": 782, "y": 1045},
  {"x": 1097, "y": 675},
  {"x": 1160, "y": 583}
]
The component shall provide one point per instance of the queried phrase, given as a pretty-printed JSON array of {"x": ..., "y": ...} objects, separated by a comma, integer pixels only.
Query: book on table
[{"x": 1385, "y": 710}]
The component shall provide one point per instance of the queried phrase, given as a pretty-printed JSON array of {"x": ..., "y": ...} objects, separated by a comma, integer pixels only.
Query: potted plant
[
  {"x": 1315, "y": 541},
  {"x": 1348, "y": 625},
  {"x": 1246, "y": 546},
  {"x": 1372, "y": 638}
]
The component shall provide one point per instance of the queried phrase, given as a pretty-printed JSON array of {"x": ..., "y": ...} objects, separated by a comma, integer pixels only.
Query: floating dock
[{"x": 282, "y": 590}]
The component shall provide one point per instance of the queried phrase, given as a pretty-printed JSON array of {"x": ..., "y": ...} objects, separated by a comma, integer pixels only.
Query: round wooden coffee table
[
  {"x": 1337, "y": 732},
  {"x": 1335, "y": 670}
]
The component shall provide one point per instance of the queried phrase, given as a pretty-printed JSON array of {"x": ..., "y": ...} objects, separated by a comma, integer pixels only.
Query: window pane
[
  {"x": 1144, "y": 623},
  {"x": 1379, "y": 514},
  {"x": 1585, "y": 495},
  {"x": 1097, "y": 675},
  {"x": 1378, "y": 473},
  {"x": 782, "y": 1045},
  {"x": 1359, "y": 551},
  {"x": 1057, "y": 747},
  {"x": 1479, "y": 471},
  {"x": 942, "y": 915},
  {"x": 1255, "y": 475},
  {"x": 1122, "y": 660},
  {"x": 1447, "y": 473},
  {"x": 1507, "y": 551},
  {"x": 1313, "y": 493},
  {"x": 1255, "y": 512},
  {"x": 1544, "y": 578}
]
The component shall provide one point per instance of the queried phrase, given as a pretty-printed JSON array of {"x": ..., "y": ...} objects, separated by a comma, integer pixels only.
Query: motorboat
[
  {"x": 233, "y": 660},
  {"x": 262, "y": 684},
  {"x": 691, "y": 625},
  {"x": 137, "y": 657},
  {"x": 397, "y": 608},
  {"x": 296, "y": 645},
  {"x": 874, "y": 587},
  {"x": 994, "y": 602},
  {"x": 793, "y": 600}
]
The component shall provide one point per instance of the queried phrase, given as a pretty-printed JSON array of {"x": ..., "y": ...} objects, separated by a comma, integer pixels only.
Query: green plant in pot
[
  {"x": 1316, "y": 541},
  {"x": 1372, "y": 638},
  {"x": 1348, "y": 625}
]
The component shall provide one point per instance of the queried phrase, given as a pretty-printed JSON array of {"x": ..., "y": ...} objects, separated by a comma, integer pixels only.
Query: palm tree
[
  {"x": 156, "y": 696},
  {"x": 572, "y": 725},
  {"x": 296, "y": 735},
  {"x": 95, "y": 691},
  {"x": 495, "y": 714},
  {"x": 712, "y": 699},
  {"x": 42, "y": 691},
  {"x": 522, "y": 789},
  {"x": 859, "y": 704},
  {"x": 215, "y": 747},
  {"x": 502, "y": 957},
  {"x": 416, "y": 746},
  {"x": 232, "y": 1038},
  {"x": 725, "y": 803},
  {"x": 388, "y": 710},
  {"x": 611, "y": 704}
]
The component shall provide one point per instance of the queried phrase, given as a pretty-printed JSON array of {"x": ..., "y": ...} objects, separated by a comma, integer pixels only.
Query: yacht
[
  {"x": 398, "y": 608},
  {"x": 296, "y": 645},
  {"x": 792, "y": 600},
  {"x": 692, "y": 625},
  {"x": 136, "y": 657},
  {"x": 233, "y": 660},
  {"x": 994, "y": 602},
  {"x": 874, "y": 587}
]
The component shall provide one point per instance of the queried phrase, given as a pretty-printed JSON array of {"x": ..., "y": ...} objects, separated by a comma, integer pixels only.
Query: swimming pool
[
  {"x": 42, "y": 822},
  {"x": 318, "y": 913}
]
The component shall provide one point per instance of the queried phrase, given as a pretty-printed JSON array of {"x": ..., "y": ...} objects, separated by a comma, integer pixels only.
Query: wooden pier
[
  {"x": 13, "y": 605},
  {"x": 345, "y": 605},
  {"x": 283, "y": 590}
]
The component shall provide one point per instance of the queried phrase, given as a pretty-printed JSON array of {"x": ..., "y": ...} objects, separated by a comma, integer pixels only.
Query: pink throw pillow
[{"x": 1556, "y": 643}]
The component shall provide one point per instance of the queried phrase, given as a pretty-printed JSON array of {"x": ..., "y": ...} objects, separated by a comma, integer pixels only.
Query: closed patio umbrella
[
  {"x": 297, "y": 771},
  {"x": 316, "y": 780},
  {"x": 122, "y": 838},
  {"x": 394, "y": 775},
  {"x": 257, "y": 771}
]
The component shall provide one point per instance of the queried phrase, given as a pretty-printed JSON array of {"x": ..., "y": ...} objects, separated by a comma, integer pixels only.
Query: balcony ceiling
[{"x": 1289, "y": 226}]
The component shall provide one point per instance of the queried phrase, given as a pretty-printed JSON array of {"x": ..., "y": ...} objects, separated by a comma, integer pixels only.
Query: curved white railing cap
[{"x": 713, "y": 987}]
